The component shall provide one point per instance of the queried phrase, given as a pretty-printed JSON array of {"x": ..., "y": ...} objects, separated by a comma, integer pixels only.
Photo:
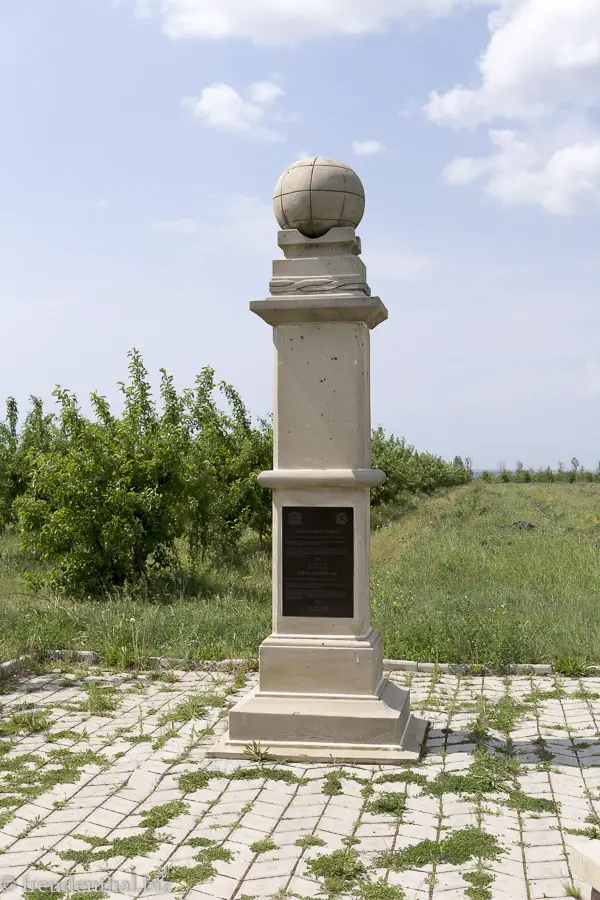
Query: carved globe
[{"x": 317, "y": 194}]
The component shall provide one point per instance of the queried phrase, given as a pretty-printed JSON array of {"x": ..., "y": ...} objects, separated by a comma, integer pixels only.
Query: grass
[
  {"x": 186, "y": 877},
  {"x": 340, "y": 870},
  {"x": 159, "y": 816},
  {"x": 309, "y": 840},
  {"x": 458, "y": 848},
  {"x": 451, "y": 580},
  {"x": 263, "y": 846},
  {"x": 389, "y": 804},
  {"x": 99, "y": 848}
]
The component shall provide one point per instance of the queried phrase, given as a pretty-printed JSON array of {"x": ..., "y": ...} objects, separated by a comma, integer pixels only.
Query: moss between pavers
[
  {"x": 161, "y": 815},
  {"x": 100, "y": 848},
  {"x": 29, "y": 722},
  {"x": 194, "y": 781},
  {"x": 51, "y": 893},
  {"x": 310, "y": 840},
  {"x": 340, "y": 870},
  {"x": 480, "y": 882},
  {"x": 263, "y": 846},
  {"x": 185, "y": 877},
  {"x": 387, "y": 804},
  {"x": 29, "y": 775},
  {"x": 378, "y": 890},
  {"x": 456, "y": 849}
]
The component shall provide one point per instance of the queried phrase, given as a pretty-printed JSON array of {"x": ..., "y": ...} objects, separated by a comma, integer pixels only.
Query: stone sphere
[{"x": 317, "y": 194}]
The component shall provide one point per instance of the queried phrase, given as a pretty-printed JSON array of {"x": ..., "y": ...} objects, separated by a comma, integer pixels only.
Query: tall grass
[{"x": 452, "y": 580}]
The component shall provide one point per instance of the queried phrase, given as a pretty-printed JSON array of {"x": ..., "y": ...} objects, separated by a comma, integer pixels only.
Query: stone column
[{"x": 322, "y": 693}]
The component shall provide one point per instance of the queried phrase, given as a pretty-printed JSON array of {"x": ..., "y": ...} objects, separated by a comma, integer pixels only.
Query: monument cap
[{"x": 316, "y": 194}]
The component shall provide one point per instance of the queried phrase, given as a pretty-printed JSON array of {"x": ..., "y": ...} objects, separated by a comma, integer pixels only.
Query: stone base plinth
[{"x": 321, "y": 728}]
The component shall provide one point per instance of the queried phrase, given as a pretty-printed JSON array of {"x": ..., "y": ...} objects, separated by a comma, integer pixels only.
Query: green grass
[
  {"x": 159, "y": 816},
  {"x": 186, "y": 877},
  {"x": 309, "y": 840},
  {"x": 389, "y": 804},
  {"x": 451, "y": 580},
  {"x": 263, "y": 846},
  {"x": 456, "y": 849},
  {"x": 340, "y": 870}
]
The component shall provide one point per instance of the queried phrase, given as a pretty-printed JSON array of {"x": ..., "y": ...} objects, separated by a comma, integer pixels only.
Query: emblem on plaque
[{"x": 295, "y": 518}]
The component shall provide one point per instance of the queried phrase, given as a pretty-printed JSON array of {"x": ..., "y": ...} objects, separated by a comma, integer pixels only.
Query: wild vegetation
[
  {"x": 461, "y": 577},
  {"x": 147, "y": 534},
  {"x": 110, "y": 501},
  {"x": 574, "y": 473}
]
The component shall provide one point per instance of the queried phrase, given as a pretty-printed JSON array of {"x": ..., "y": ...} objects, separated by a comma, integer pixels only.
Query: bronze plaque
[{"x": 318, "y": 561}]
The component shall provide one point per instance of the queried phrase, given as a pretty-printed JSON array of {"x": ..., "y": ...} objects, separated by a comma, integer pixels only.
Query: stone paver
[{"x": 105, "y": 786}]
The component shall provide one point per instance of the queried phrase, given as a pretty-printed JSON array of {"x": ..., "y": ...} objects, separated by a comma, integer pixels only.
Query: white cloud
[
  {"x": 278, "y": 22},
  {"x": 221, "y": 107},
  {"x": 561, "y": 181},
  {"x": 540, "y": 73},
  {"x": 367, "y": 148},
  {"x": 265, "y": 92},
  {"x": 176, "y": 226},
  {"x": 542, "y": 54}
]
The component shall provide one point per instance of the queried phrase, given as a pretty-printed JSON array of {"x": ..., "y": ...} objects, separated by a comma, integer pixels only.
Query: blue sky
[{"x": 140, "y": 148}]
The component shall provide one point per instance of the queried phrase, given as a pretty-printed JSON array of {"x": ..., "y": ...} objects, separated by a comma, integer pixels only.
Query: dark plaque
[{"x": 318, "y": 561}]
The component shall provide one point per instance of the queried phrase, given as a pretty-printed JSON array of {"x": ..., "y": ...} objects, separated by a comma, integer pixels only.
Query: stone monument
[{"x": 322, "y": 694}]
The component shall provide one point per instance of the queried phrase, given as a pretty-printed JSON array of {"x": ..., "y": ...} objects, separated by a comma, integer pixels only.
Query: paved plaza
[{"x": 105, "y": 791}]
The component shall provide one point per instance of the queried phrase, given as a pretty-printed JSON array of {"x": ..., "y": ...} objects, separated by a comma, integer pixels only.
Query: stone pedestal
[{"x": 321, "y": 693}]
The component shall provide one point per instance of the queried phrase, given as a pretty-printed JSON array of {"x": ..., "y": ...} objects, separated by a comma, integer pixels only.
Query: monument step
[{"x": 377, "y": 727}]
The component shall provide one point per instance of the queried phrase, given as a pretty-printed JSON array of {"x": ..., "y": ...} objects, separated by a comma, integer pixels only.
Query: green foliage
[
  {"x": 340, "y": 870},
  {"x": 576, "y": 474},
  {"x": 108, "y": 499},
  {"x": 108, "y": 502},
  {"x": 263, "y": 846},
  {"x": 378, "y": 890},
  {"x": 409, "y": 472},
  {"x": 389, "y": 804},
  {"x": 480, "y": 881},
  {"x": 15, "y": 450},
  {"x": 309, "y": 840},
  {"x": 161, "y": 815},
  {"x": 186, "y": 877},
  {"x": 194, "y": 781},
  {"x": 456, "y": 849},
  {"x": 233, "y": 453},
  {"x": 332, "y": 784}
]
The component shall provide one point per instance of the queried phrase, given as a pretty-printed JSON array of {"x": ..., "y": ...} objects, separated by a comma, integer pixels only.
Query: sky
[{"x": 142, "y": 140}]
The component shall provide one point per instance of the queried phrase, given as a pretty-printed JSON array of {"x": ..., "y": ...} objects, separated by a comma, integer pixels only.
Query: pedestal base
[{"x": 326, "y": 728}]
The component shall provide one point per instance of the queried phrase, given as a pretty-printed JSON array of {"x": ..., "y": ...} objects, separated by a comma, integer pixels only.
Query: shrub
[
  {"x": 233, "y": 454},
  {"x": 107, "y": 499},
  {"x": 411, "y": 472}
]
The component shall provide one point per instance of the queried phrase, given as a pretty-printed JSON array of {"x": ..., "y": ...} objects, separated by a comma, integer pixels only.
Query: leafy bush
[
  {"x": 409, "y": 472},
  {"x": 103, "y": 502},
  {"x": 106, "y": 500},
  {"x": 575, "y": 475},
  {"x": 233, "y": 453},
  {"x": 15, "y": 447}
]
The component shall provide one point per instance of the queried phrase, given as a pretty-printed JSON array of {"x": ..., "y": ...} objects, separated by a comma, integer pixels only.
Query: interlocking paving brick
[{"x": 380, "y": 810}]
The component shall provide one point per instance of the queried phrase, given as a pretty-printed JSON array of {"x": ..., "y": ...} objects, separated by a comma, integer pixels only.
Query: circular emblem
[{"x": 341, "y": 519}]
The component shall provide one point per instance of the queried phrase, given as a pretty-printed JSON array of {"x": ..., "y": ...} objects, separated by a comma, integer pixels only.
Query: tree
[
  {"x": 107, "y": 499},
  {"x": 233, "y": 453}
]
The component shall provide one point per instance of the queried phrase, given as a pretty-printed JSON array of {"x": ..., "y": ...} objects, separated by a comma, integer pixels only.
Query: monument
[{"x": 321, "y": 693}]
